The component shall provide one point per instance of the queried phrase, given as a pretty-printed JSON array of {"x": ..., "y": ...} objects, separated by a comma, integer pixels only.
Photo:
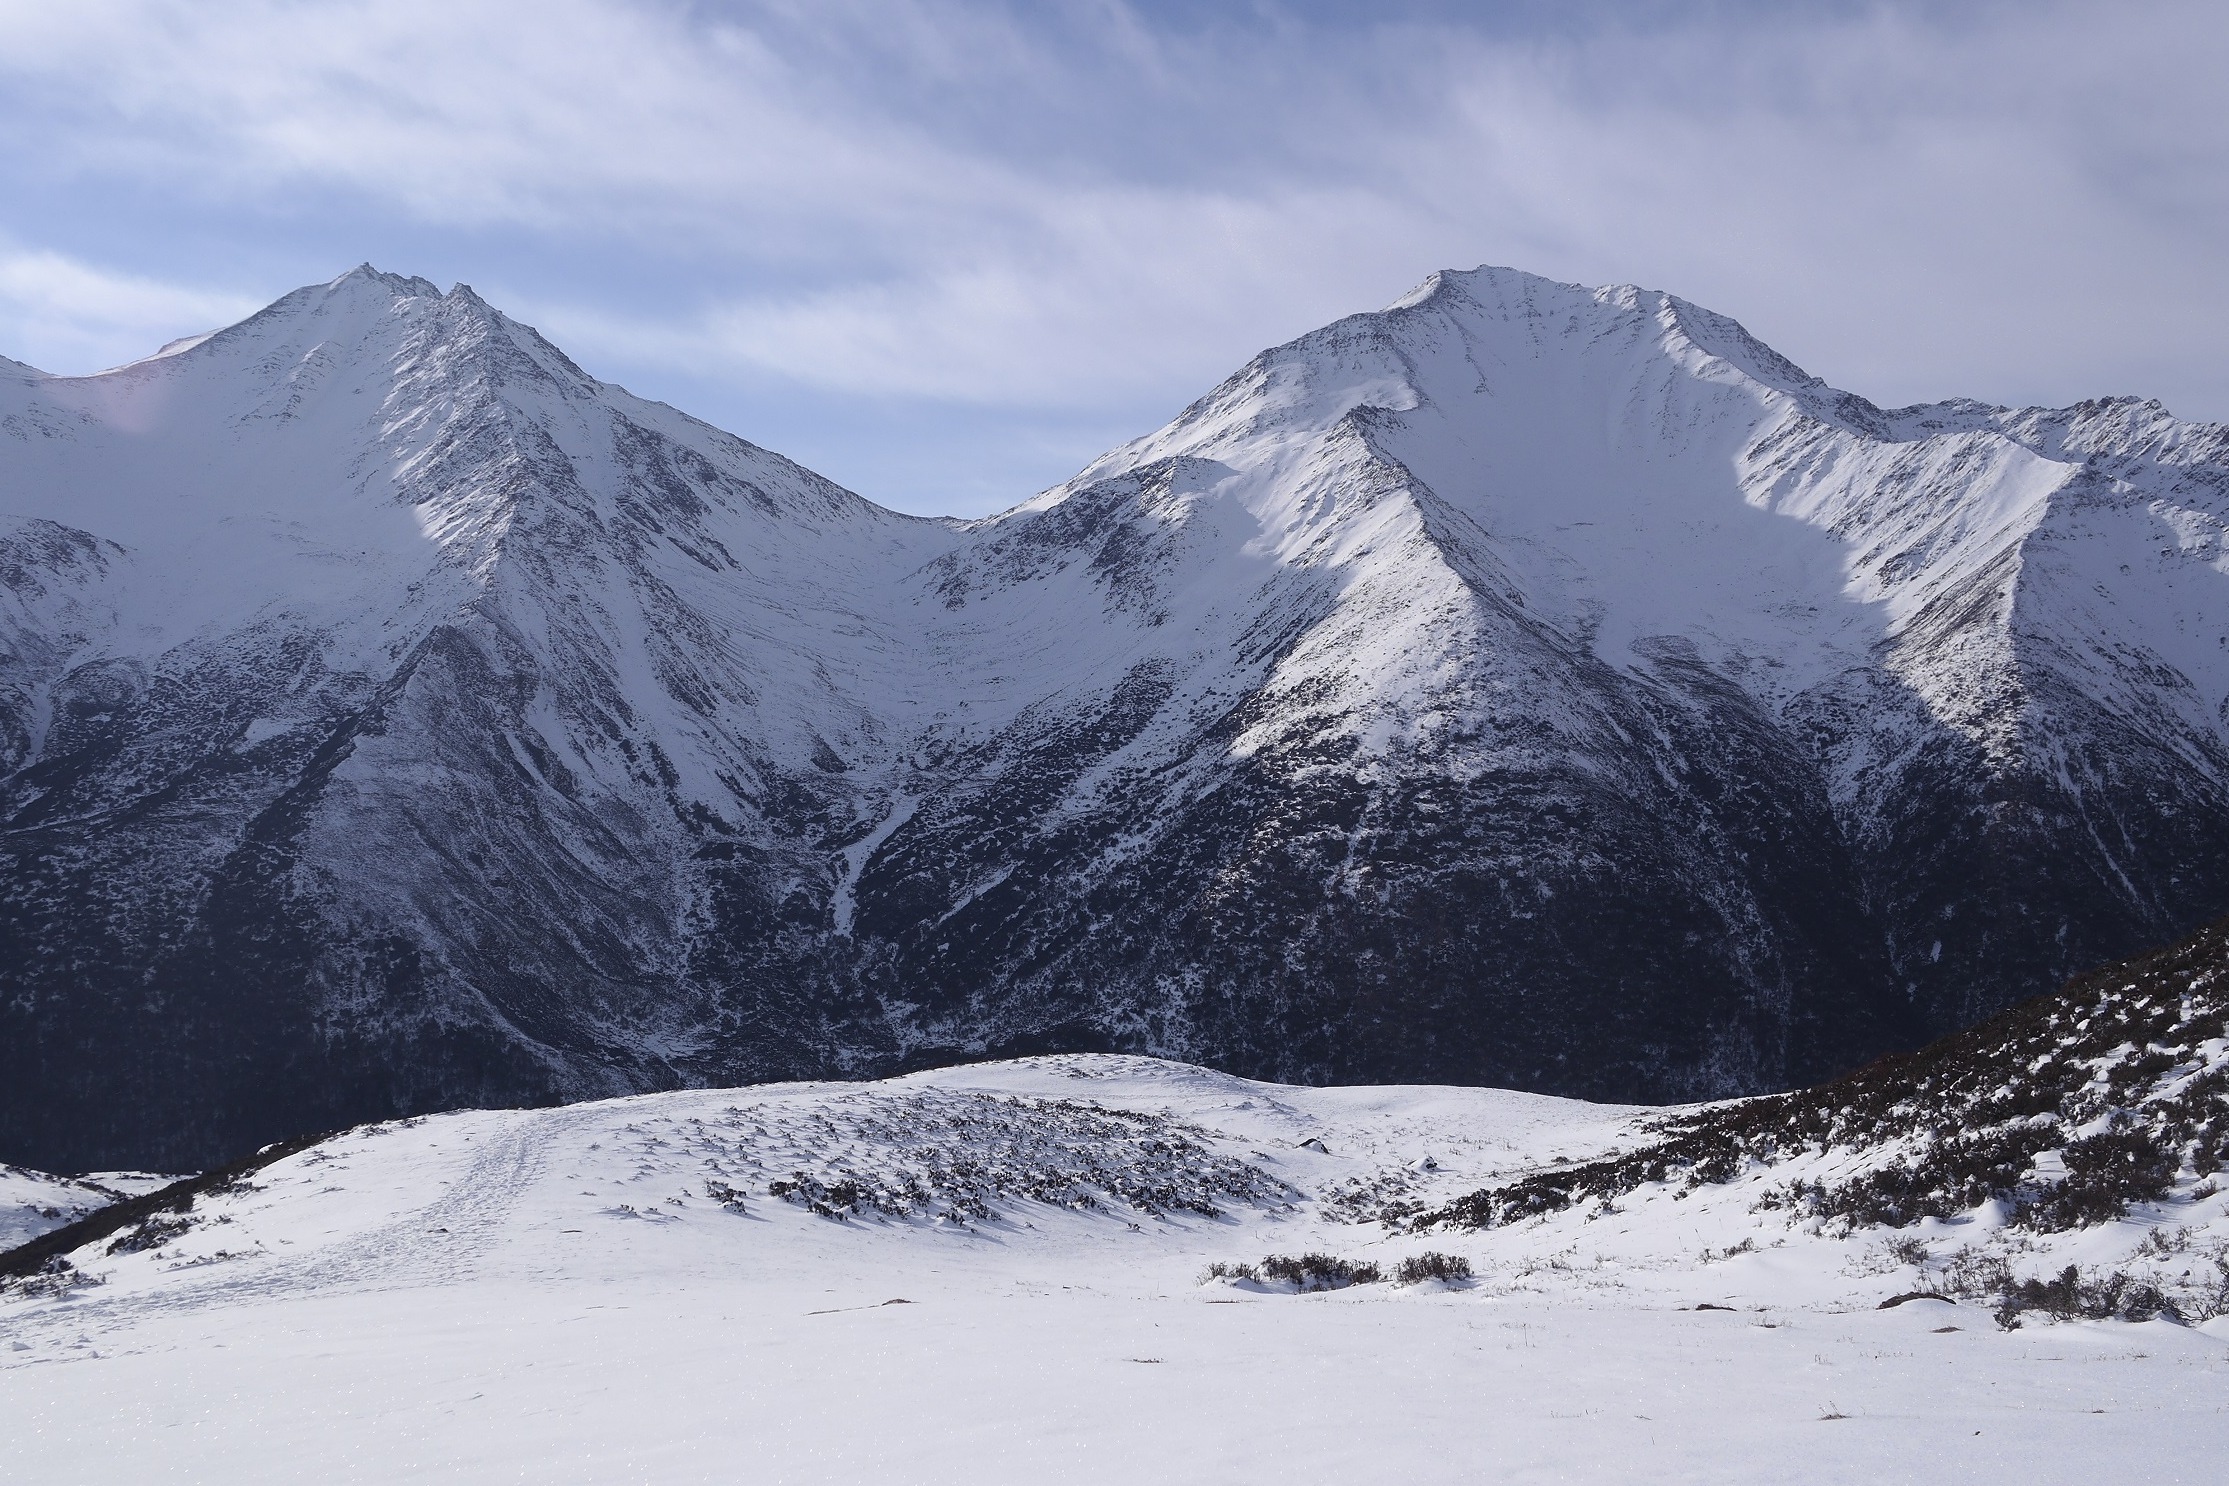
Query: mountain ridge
[{"x": 1523, "y": 684}]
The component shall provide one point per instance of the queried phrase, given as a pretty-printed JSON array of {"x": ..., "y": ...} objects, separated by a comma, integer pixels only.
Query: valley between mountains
[{"x": 1525, "y": 685}]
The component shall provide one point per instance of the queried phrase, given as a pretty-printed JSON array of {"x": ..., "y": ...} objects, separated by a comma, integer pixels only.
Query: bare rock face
[{"x": 1526, "y": 685}]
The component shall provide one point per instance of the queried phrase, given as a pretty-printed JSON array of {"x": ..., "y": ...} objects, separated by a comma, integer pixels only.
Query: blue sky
[{"x": 946, "y": 252}]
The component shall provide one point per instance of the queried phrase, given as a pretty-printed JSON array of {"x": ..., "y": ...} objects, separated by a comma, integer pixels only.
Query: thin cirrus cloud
[
  {"x": 84, "y": 317},
  {"x": 947, "y": 250}
]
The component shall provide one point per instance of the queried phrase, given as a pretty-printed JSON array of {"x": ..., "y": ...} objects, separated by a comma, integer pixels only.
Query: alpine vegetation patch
[
  {"x": 1447, "y": 1269},
  {"x": 56, "y": 1279},
  {"x": 2068, "y": 1111},
  {"x": 1301, "y": 1274},
  {"x": 961, "y": 1158}
]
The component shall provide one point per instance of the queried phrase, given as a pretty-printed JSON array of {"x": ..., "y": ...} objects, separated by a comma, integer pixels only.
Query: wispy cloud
[
  {"x": 56, "y": 310},
  {"x": 1010, "y": 207}
]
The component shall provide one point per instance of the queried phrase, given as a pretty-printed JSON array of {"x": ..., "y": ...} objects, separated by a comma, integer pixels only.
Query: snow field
[{"x": 562, "y": 1295}]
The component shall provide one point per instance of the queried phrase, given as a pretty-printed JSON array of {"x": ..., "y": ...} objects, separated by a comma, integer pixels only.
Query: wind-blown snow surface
[
  {"x": 1525, "y": 685},
  {"x": 607, "y": 1292}
]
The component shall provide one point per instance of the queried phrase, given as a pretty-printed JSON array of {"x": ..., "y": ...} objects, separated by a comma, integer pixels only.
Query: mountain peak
[
  {"x": 1529, "y": 683},
  {"x": 1487, "y": 284},
  {"x": 364, "y": 275}
]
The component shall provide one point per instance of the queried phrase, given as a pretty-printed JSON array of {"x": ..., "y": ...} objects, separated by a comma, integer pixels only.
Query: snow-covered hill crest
[{"x": 1524, "y": 684}]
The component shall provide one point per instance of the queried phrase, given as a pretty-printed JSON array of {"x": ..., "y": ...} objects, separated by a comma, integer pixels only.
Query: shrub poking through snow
[
  {"x": 2166, "y": 1281},
  {"x": 2068, "y": 1109},
  {"x": 1448, "y": 1269},
  {"x": 963, "y": 1157},
  {"x": 53, "y": 1280},
  {"x": 2070, "y": 1297},
  {"x": 1302, "y": 1273},
  {"x": 1320, "y": 1272},
  {"x": 1307, "y": 1272},
  {"x": 152, "y": 1233}
]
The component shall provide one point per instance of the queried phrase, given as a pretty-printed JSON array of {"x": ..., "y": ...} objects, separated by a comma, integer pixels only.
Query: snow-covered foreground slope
[
  {"x": 1015, "y": 1292},
  {"x": 1524, "y": 685}
]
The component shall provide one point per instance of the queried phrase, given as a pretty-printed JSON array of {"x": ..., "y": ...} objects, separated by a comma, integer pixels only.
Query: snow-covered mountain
[{"x": 1526, "y": 684}]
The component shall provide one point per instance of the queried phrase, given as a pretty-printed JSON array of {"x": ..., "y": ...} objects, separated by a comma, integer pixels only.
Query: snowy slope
[
  {"x": 33, "y": 1202},
  {"x": 1000, "y": 1273},
  {"x": 1525, "y": 684}
]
